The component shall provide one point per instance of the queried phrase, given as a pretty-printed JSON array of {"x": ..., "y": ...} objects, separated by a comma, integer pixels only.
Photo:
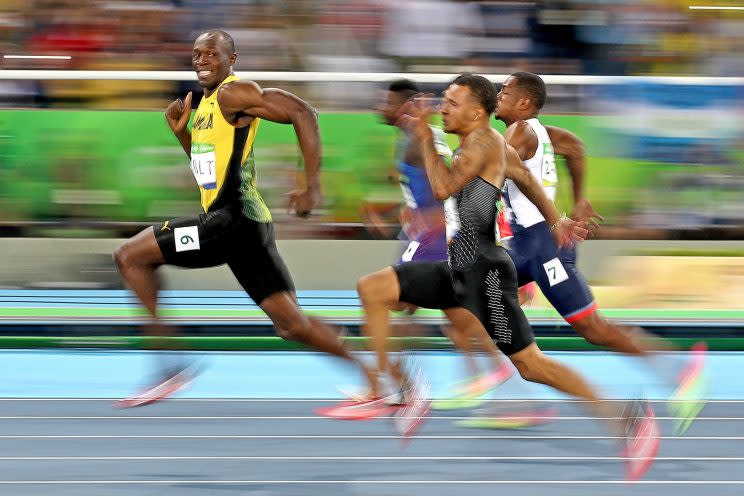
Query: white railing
[{"x": 360, "y": 77}]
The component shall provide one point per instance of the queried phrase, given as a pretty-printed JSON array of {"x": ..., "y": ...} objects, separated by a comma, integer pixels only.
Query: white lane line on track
[
  {"x": 376, "y": 482},
  {"x": 306, "y": 417},
  {"x": 366, "y": 458},
  {"x": 350, "y": 437}
]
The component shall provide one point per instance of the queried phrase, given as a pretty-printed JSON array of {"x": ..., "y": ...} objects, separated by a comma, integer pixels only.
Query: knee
[
  {"x": 377, "y": 287},
  {"x": 528, "y": 371},
  {"x": 365, "y": 287},
  {"x": 122, "y": 258},
  {"x": 137, "y": 252},
  {"x": 283, "y": 333},
  {"x": 532, "y": 370}
]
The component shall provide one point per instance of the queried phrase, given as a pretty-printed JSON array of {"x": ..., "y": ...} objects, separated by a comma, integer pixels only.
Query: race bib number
[
  {"x": 187, "y": 238},
  {"x": 555, "y": 271},
  {"x": 451, "y": 218},
  {"x": 204, "y": 165},
  {"x": 410, "y": 251},
  {"x": 549, "y": 172},
  {"x": 408, "y": 196}
]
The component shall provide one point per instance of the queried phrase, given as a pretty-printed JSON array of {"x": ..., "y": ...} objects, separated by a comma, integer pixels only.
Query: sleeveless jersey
[
  {"x": 471, "y": 222},
  {"x": 542, "y": 166},
  {"x": 222, "y": 161}
]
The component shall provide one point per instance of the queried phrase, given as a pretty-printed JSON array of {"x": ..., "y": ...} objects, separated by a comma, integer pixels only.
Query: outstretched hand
[
  {"x": 567, "y": 232},
  {"x": 413, "y": 117},
  {"x": 583, "y": 212}
]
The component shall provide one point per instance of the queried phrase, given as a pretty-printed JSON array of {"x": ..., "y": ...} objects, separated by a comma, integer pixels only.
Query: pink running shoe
[
  {"x": 412, "y": 415},
  {"x": 169, "y": 386},
  {"x": 642, "y": 442},
  {"x": 485, "y": 383},
  {"x": 690, "y": 397},
  {"x": 361, "y": 409}
]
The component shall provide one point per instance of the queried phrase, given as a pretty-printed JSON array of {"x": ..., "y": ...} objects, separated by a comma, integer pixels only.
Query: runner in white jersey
[
  {"x": 538, "y": 258},
  {"x": 542, "y": 166}
]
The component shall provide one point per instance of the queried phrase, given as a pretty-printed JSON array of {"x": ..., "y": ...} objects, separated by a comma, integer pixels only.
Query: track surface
[
  {"x": 232, "y": 442},
  {"x": 83, "y": 447}
]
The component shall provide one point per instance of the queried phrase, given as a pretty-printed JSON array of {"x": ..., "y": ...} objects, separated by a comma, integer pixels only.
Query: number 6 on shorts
[{"x": 186, "y": 238}]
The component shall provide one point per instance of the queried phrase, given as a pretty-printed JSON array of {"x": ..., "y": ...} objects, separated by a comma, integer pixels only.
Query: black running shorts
[
  {"x": 226, "y": 236},
  {"x": 488, "y": 289}
]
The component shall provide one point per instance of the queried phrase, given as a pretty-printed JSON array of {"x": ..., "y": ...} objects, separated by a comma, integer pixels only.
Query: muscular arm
[
  {"x": 523, "y": 139},
  {"x": 570, "y": 147},
  {"x": 528, "y": 184},
  {"x": 467, "y": 164},
  {"x": 247, "y": 99}
]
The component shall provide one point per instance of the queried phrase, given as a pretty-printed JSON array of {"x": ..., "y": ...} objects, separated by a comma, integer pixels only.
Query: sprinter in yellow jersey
[{"x": 235, "y": 227}]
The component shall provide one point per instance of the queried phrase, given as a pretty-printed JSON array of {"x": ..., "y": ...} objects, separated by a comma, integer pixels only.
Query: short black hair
[
  {"x": 534, "y": 86},
  {"x": 229, "y": 43},
  {"x": 404, "y": 87},
  {"x": 482, "y": 89}
]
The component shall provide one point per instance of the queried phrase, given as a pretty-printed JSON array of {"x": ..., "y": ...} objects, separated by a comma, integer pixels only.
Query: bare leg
[
  {"x": 462, "y": 342},
  {"x": 621, "y": 339},
  {"x": 534, "y": 366},
  {"x": 379, "y": 293},
  {"x": 292, "y": 323},
  {"x": 487, "y": 345},
  {"x": 467, "y": 327},
  {"x": 138, "y": 260},
  {"x": 631, "y": 341}
]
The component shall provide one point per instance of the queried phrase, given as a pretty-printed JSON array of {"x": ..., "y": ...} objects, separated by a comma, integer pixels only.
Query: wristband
[{"x": 554, "y": 226}]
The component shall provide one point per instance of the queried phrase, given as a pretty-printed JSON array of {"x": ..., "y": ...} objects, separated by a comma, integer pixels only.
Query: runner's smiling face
[{"x": 212, "y": 60}]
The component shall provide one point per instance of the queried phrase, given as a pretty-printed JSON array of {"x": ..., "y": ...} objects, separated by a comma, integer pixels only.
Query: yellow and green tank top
[{"x": 222, "y": 161}]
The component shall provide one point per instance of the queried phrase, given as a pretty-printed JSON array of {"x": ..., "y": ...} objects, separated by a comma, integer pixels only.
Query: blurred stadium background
[{"x": 653, "y": 87}]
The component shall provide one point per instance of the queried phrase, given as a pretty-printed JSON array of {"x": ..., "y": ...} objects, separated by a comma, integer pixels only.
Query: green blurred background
[{"x": 126, "y": 166}]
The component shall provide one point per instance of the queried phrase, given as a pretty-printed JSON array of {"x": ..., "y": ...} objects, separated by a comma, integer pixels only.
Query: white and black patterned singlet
[{"x": 471, "y": 222}]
